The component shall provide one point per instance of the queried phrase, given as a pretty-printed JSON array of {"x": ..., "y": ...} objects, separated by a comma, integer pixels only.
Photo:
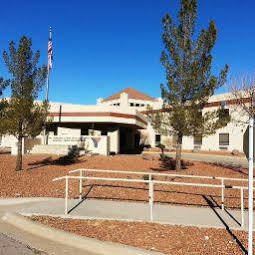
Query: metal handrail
[
  {"x": 151, "y": 183},
  {"x": 159, "y": 174}
]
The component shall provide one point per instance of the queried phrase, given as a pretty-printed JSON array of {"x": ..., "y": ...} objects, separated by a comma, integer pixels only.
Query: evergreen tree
[
  {"x": 22, "y": 116},
  {"x": 187, "y": 61},
  {"x": 3, "y": 85}
]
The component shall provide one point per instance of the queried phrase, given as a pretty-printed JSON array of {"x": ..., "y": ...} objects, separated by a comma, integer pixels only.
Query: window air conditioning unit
[{"x": 223, "y": 148}]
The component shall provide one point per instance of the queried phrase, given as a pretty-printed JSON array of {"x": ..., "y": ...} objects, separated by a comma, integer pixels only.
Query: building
[{"x": 117, "y": 124}]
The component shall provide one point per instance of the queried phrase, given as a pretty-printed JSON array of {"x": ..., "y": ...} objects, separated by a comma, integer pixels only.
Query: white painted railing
[
  {"x": 151, "y": 183},
  {"x": 150, "y": 174}
]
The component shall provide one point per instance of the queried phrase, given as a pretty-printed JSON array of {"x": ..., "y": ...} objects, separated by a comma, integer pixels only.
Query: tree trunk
[
  {"x": 19, "y": 155},
  {"x": 162, "y": 154},
  {"x": 178, "y": 152}
]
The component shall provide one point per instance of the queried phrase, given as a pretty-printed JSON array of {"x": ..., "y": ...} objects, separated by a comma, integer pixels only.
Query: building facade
[{"x": 117, "y": 124}]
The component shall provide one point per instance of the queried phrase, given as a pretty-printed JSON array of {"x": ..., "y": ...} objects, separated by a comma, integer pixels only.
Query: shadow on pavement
[{"x": 233, "y": 236}]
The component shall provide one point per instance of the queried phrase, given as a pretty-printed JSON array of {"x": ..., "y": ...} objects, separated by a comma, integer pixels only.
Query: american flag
[{"x": 50, "y": 55}]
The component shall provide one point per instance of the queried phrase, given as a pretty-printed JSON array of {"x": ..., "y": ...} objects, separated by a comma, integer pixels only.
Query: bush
[
  {"x": 162, "y": 148},
  {"x": 71, "y": 157}
]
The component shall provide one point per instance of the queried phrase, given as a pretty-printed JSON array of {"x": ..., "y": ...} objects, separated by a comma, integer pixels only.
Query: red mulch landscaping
[
  {"x": 39, "y": 170},
  {"x": 157, "y": 237}
]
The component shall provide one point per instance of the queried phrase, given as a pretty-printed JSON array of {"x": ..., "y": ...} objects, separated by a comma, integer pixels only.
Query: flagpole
[
  {"x": 47, "y": 86},
  {"x": 48, "y": 73}
]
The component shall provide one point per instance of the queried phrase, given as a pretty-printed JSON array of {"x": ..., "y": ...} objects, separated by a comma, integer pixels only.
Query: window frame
[
  {"x": 157, "y": 142},
  {"x": 224, "y": 143},
  {"x": 195, "y": 141}
]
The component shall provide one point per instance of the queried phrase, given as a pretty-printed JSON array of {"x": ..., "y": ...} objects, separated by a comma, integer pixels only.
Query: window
[
  {"x": 224, "y": 139},
  {"x": 157, "y": 139},
  {"x": 84, "y": 131},
  {"x": 142, "y": 105},
  {"x": 137, "y": 104},
  {"x": 131, "y": 104},
  {"x": 198, "y": 140}
]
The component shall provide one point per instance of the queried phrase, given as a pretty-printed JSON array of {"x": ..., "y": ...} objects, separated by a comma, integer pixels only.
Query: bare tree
[{"x": 242, "y": 95}]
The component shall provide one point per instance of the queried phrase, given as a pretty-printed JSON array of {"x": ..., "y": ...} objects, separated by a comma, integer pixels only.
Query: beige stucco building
[{"x": 117, "y": 125}]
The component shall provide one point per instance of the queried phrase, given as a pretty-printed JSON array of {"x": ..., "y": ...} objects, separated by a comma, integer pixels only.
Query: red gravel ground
[
  {"x": 167, "y": 239},
  {"x": 39, "y": 170}
]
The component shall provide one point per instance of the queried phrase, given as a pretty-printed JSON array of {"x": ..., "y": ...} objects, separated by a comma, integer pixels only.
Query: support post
[
  {"x": 242, "y": 209},
  {"x": 80, "y": 186},
  {"x": 222, "y": 194},
  {"x": 151, "y": 198},
  {"x": 66, "y": 197},
  {"x": 250, "y": 234}
]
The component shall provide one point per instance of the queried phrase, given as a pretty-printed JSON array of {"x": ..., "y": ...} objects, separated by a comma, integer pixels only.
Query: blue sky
[{"x": 101, "y": 47}]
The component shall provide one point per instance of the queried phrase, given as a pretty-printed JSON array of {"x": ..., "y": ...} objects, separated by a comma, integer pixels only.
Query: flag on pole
[
  {"x": 50, "y": 52},
  {"x": 50, "y": 57}
]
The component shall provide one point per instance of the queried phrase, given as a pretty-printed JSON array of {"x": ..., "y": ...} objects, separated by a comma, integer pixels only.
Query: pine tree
[
  {"x": 187, "y": 61},
  {"x": 3, "y": 85},
  {"x": 22, "y": 116}
]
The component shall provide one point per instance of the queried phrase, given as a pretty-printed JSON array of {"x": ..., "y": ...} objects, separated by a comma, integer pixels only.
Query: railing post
[
  {"x": 242, "y": 208},
  {"x": 151, "y": 198},
  {"x": 80, "y": 186},
  {"x": 66, "y": 197},
  {"x": 222, "y": 194}
]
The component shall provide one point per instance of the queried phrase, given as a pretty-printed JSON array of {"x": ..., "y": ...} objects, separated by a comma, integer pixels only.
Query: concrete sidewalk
[
  {"x": 166, "y": 214},
  {"x": 39, "y": 239}
]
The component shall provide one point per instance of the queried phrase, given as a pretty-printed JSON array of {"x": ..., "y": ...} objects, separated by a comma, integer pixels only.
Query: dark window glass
[
  {"x": 198, "y": 140},
  {"x": 157, "y": 139},
  {"x": 224, "y": 139}
]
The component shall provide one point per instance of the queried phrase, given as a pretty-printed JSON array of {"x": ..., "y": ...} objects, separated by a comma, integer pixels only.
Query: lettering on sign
[{"x": 69, "y": 140}]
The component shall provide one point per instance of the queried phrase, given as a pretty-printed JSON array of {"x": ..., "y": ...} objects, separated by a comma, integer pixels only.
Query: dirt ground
[
  {"x": 35, "y": 180},
  {"x": 166, "y": 239}
]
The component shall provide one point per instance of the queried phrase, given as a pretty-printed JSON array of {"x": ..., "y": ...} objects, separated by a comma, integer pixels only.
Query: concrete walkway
[
  {"x": 167, "y": 214},
  {"x": 34, "y": 238}
]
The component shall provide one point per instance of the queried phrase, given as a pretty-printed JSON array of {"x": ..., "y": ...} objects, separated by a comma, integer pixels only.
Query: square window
[
  {"x": 223, "y": 139},
  {"x": 198, "y": 140},
  {"x": 157, "y": 139}
]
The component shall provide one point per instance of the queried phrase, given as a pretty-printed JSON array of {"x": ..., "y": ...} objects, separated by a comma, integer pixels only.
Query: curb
[
  {"x": 84, "y": 243},
  {"x": 167, "y": 223}
]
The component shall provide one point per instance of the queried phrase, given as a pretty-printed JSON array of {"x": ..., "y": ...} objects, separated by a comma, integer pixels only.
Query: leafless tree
[{"x": 242, "y": 94}]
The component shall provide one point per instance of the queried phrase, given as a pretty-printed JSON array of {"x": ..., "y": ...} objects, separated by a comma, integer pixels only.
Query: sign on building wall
[{"x": 94, "y": 144}]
